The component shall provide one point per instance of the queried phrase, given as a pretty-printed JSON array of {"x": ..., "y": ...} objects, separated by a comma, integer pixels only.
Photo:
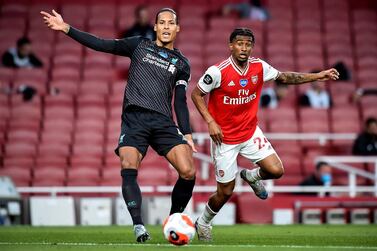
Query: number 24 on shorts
[{"x": 261, "y": 144}]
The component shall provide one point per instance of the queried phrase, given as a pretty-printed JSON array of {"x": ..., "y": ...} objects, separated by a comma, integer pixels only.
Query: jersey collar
[{"x": 237, "y": 68}]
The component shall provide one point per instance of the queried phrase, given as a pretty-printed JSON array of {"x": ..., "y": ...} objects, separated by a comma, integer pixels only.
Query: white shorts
[{"x": 225, "y": 156}]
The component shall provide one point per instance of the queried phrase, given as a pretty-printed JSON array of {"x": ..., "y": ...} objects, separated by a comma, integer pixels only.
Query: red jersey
[{"x": 234, "y": 96}]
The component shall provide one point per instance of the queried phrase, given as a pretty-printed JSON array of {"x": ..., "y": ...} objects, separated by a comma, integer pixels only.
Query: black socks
[
  {"x": 132, "y": 195},
  {"x": 181, "y": 195}
]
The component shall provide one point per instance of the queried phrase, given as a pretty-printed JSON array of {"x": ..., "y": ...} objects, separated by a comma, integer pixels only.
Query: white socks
[
  {"x": 207, "y": 216},
  {"x": 253, "y": 175}
]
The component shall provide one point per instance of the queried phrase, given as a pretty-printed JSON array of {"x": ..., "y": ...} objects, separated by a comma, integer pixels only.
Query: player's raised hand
[
  {"x": 331, "y": 74},
  {"x": 55, "y": 21},
  {"x": 215, "y": 132}
]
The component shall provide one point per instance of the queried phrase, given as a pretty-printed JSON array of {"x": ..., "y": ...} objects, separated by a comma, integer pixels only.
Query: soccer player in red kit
[{"x": 235, "y": 86}]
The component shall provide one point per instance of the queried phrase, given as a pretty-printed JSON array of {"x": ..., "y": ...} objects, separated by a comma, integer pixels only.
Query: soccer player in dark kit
[{"x": 157, "y": 71}]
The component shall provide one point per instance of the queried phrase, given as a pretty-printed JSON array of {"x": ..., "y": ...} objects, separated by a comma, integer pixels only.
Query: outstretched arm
[
  {"x": 294, "y": 78},
  {"x": 56, "y": 22}
]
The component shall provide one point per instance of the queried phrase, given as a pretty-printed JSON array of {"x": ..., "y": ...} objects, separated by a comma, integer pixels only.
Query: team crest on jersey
[
  {"x": 244, "y": 82},
  {"x": 254, "y": 79},
  {"x": 174, "y": 60}
]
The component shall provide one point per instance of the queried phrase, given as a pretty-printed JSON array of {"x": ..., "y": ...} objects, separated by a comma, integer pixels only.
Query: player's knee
[
  {"x": 187, "y": 173},
  {"x": 226, "y": 192},
  {"x": 126, "y": 164}
]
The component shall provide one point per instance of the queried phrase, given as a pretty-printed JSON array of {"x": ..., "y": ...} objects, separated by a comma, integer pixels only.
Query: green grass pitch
[{"x": 238, "y": 237}]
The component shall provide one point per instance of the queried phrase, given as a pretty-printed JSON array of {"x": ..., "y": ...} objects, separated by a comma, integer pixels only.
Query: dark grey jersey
[{"x": 153, "y": 75}]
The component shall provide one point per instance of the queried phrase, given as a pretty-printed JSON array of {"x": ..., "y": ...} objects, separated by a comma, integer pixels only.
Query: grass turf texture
[{"x": 238, "y": 237}]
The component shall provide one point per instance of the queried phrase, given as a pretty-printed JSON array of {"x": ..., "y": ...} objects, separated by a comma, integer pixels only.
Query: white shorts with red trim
[{"x": 224, "y": 156}]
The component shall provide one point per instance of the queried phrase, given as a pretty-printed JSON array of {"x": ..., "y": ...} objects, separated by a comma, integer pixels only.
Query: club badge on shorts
[{"x": 221, "y": 173}]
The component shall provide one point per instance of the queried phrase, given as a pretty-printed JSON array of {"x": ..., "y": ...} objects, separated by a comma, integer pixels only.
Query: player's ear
[
  {"x": 155, "y": 27},
  {"x": 178, "y": 28},
  {"x": 230, "y": 46}
]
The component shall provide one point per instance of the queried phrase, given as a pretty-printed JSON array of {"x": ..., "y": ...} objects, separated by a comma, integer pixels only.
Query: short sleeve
[
  {"x": 127, "y": 46},
  {"x": 210, "y": 80},
  {"x": 269, "y": 72}
]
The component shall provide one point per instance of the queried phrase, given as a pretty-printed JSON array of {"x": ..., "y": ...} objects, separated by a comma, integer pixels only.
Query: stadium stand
[{"x": 56, "y": 140}]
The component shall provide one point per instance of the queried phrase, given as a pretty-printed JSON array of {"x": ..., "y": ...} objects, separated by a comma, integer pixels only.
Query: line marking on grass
[{"x": 192, "y": 245}]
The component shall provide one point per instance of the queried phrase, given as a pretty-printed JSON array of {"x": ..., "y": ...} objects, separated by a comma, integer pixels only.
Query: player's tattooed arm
[{"x": 295, "y": 78}]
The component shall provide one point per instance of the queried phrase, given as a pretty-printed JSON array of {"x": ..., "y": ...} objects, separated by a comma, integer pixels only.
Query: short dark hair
[
  {"x": 241, "y": 32},
  {"x": 320, "y": 164},
  {"x": 369, "y": 121},
  {"x": 22, "y": 41},
  {"x": 169, "y": 10}
]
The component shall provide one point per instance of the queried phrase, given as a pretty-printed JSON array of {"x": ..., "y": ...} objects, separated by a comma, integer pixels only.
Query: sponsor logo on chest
[
  {"x": 244, "y": 82},
  {"x": 160, "y": 62}
]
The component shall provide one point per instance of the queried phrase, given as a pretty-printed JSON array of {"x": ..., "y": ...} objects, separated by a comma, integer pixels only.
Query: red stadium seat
[
  {"x": 19, "y": 161},
  {"x": 67, "y": 60},
  {"x": 25, "y": 111},
  {"x": 94, "y": 87},
  {"x": 59, "y": 112},
  {"x": 90, "y": 125},
  {"x": 48, "y": 160},
  {"x": 19, "y": 123},
  {"x": 111, "y": 173},
  {"x": 50, "y": 136},
  {"x": 153, "y": 175},
  {"x": 32, "y": 74},
  {"x": 66, "y": 87},
  {"x": 93, "y": 59},
  {"x": 58, "y": 100},
  {"x": 87, "y": 149},
  {"x": 314, "y": 120},
  {"x": 67, "y": 74},
  {"x": 54, "y": 148},
  {"x": 49, "y": 176},
  {"x": 23, "y": 135},
  {"x": 262, "y": 210},
  {"x": 99, "y": 74},
  {"x": 14, "y": 149},
  {"x": 7, "y": 74},
  {"x": 68, "y": 47},
  {"x": 283, "y": 126},
  {"x": 292, "y": 165},
  {"x": 345, "y": 120},
  {"x": 48, "y": 183},
  {"x": 20, "y": 176},
  {"x": 82, "y": 175},
  {"x": 87, "y": 137}
]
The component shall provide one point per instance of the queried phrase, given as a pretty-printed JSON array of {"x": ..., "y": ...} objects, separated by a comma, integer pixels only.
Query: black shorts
[{"x": 142, "y": 128}]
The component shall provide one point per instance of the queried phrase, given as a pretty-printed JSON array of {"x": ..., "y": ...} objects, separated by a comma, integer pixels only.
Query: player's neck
[
  {"x": 241, "y": 64},
  {"x": 169, "y": 46}
]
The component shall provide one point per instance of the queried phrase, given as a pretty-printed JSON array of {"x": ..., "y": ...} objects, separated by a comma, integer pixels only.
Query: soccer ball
[{"x": 179, "y": 229}]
